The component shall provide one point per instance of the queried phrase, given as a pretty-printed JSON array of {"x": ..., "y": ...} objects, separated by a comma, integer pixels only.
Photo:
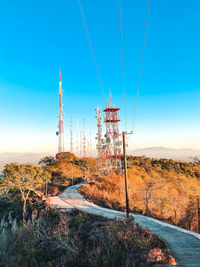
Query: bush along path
[{"x": 184, "y": 245}]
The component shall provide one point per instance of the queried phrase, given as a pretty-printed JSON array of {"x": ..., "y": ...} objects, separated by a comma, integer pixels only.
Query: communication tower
[
  {"x": 77, "y": 138},
  {"x": 90, "y": 146},
  {"x": 99, "y": 133},
  {"x": 71, "y": 135},
  {"x": 60, "y": 131},
  {"x": 80, "y": 143},
  {"x": 113, "y": 145},
  {"x": 84, "y": 139}
]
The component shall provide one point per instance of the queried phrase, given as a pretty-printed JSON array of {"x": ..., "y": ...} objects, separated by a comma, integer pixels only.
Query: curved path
[{"x": 184, "y": 245}]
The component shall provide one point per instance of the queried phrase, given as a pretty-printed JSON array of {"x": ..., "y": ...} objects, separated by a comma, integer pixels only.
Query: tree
[
  {"x": 66, "y": 156},
  {"x": 151, "y": 184},
  {"x": 195, "y": 160},
  {"x": 25, "y": 178},
  {"x": 46, "y": 161}
]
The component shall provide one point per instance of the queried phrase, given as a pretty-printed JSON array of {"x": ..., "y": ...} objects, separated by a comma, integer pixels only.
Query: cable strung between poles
[
  {"x": 92, "y": 52},
  {"x": 122, "y": 65},
  {"x": 141, "y": 64}
]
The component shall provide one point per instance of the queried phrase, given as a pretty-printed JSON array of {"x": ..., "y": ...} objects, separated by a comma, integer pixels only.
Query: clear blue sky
[{"x": 39, "y": 36}]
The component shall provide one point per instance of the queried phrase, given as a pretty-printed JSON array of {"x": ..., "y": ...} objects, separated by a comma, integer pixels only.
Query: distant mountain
[
  {"x": 152, "y": 152},
  {"x": 168, "y": 153},
  {"x": 21, "y": 158}
]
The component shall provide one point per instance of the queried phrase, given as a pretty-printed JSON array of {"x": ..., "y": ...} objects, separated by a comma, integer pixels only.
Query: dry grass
[
  {"x": 77, "y": 239},
  {"x": 163, "y": 194}
]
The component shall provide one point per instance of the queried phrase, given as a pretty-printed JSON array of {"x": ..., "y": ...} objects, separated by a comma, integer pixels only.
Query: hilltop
[
  {"x": 52, "y": 237},
  {"x": 161, "y": 188}
]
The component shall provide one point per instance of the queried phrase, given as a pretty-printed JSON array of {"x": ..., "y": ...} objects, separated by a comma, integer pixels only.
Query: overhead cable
[
  {"x": 124, "y": 95},
  {"x": 97, "y": 70},
  {"x": 141, "y": 65}
]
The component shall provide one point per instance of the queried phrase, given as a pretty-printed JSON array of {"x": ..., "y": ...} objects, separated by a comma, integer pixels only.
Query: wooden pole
[
  {"x": 125, "y": 170},
  {"x": 46, "y": 190},
  {"x": 198, "y": 215},
  {"x": 125, "y": 175}
]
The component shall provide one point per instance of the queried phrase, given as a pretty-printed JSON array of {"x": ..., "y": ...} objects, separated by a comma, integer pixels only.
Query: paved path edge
[
  {"x": 170, "y": 226},
  {"x": 138, "y": 215}
]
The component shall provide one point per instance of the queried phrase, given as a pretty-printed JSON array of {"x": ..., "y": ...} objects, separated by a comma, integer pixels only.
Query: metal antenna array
[
  {"x": 99, "y": 133},
  {"x": 60, "y": 131},
  {"x": 77, "y": 138},
  {"x": 90, "y": 146},
  {"x": 84, "y": 139},
  {"x": 80, "y": 143},
  {"x": 113, "y": 145},
  {"x": 71, "y": 135}
]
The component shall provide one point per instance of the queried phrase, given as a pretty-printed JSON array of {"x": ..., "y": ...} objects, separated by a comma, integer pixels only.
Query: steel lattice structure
[
  {"x": 99, "y": 133},
  {"x": 60, "y": 131},
  {"x": 113, "y": 145}
]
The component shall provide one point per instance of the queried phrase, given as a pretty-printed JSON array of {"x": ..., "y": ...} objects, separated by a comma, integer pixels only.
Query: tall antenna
[
  {"x": 99, "y": 133},
  {"x": 80, "y": 143},
  {"x": 71, "y": 135},
  {"x": 84, "y": 139},
  {"x": 77, "y": 140},
  {"x": 60, "y": 132},
  {"x": 90, "y": 146}
]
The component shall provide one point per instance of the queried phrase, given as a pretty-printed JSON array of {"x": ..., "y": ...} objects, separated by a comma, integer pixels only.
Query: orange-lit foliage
[
  {"x": 67, "y": 166},
  {"x": 164, "y": 189}
]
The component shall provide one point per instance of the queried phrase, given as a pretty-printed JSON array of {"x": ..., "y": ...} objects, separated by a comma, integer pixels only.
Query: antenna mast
[
  {"x": 71, "y": 135},
  {"x": 60, "y": 132},
  {"x": 80, "y": 143},
  {"x": 99, "y": 133},
  {"x": 113, "y": 145},
  {"x": 84, "y": 139},
  {"x": 77, "y": 140},
  {"x": 90, "y": 145}
]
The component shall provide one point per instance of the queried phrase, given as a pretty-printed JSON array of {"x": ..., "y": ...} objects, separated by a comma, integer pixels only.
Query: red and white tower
[
  {"x": 113, "y": 145},
  {"x": 60, "y": 132}
]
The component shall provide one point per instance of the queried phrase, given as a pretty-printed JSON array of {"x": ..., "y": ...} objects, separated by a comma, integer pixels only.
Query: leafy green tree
[{"x": 25, "y": 178}]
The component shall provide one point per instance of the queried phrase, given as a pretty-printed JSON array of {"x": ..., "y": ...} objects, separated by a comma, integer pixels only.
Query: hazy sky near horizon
[{"x": 39, "y": 36}]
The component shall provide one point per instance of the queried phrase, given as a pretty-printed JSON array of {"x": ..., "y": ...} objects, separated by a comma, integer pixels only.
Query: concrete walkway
[
  {"x": 57, "y": 202},
  {"x": 184, "y": 245}
]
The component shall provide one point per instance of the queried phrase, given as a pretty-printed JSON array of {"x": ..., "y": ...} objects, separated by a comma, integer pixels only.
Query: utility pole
[
  {"x": 46, "y": 189},
  {"x": 198, "y": 215},
  {"x": 72, "y": 176},
  {"x": 125, "y": 171}
]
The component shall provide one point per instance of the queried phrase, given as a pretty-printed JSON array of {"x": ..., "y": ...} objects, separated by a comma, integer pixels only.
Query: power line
[
  {"x": 92, "y": 51},
  {"x": 141, "y": 64},
  {"x": 130, "y": 141},
  {"x": 122, "y": 65}
]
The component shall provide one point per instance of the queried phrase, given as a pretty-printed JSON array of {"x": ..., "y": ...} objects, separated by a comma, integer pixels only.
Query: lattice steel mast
[
  {"x": 99, "y": 133},
  {"x": 84, "y": 139},
  {"x": 77, "y": 138},
  {"x": 71, "y": 135},
  {"x": 113, "y": 145},
  {"x": 60, "y": 131}
]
